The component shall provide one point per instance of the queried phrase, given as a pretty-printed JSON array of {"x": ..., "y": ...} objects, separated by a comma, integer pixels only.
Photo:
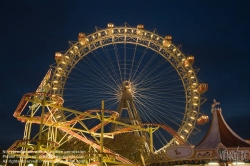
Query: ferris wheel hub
[
  {"x": 126, "y": 85},
  {"x": 126, "y": 90}
]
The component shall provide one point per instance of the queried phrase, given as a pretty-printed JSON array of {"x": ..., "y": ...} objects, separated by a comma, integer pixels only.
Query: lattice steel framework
[{"x": 137, "y": 36}]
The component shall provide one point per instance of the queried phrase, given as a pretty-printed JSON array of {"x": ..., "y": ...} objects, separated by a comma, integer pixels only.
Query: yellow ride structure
[{"x": 45, "y": 107}]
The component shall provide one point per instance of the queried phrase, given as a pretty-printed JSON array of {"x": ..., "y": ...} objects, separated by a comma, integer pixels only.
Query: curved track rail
[
  {"x": 24, "y": 101},
  {"x": 64, "y": 126}
]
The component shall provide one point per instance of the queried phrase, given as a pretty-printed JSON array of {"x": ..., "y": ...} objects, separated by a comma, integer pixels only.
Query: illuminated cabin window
[
  {"x": 140, "y": 26},
  {"x": 202, "y": 88},
  {"x": 110, "y": 25},
  {"x": 167, "y": 41},
  {"x": 168, "y": 38},
  {"x": 203, "y": 119},
  {"x": 189, "y": 61},
  {"x": 58, "y": 57},
  {"x": 81, "y": 36},
  {"x": 82, "y": 39}
]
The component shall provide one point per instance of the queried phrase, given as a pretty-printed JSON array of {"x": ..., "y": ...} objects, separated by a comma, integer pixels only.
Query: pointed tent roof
[{"x": 220, "y": 132}]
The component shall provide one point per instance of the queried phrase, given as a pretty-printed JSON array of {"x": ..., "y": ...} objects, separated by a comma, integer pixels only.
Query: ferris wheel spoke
[
  {"x": 105, "y": 67},
  {"x": 163, "y": 103},
  {"x": 86, "y": 88},
  {"x": 161, "y": 100},
  {"x": 159, "y": 96},
  {"x": 160, "y": 137},
  {"x": 79, "y": 104},
  {"x": 87, "y": 98},
  {"x": 98, "y": 91},
  {"x": 100, "y": 80},
  {"x": 168, "y": 104},
  {"x": 90, "y": 84},
  {"x": 138, "y": 65},
  {"x": 167, "y": 113},
  {"x": 99, "y": 77},
  {"x": 157, "y": 108},
  {"x": 111, "y": 104},
  {"x": 148, "y": 74},
  {"x": 111, "y": 65},
  {"x": 167, "y": 91},
  {"x": 96, "y": 72},
  {"x": 175, "y": 91},
  {"x": 158, "y": 87},
  {"x": 170, "y": 120},
  {"x": 158, "y": 82},
  {"x": 151, "y": 71},
  {"x": 157, "y": 78},
  {"x": 144, "y": 69},
  {"x": 118, "y": 60},
  {"x": 93, "y": 94},
  {"x": 159, "y": 119},
  {"x": 152, "y": 111},
  {"x": 132, "y": 63},
  {"x": 164, "y": 97}
]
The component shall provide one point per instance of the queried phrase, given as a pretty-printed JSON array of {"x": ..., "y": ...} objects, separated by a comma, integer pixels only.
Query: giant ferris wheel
[
  {"x": 142, "y": 76},
  {"x": 163, "y": 82}
]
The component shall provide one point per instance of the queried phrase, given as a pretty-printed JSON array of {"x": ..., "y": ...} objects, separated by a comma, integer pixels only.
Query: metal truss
[{"x": 137, "y": 36}]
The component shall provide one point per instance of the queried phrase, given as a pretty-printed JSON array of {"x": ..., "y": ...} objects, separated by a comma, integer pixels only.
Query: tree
[{"x": 128, "y": 145}]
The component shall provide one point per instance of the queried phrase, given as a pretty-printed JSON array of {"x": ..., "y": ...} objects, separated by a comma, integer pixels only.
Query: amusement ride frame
[{"x": 49, "y": 96}]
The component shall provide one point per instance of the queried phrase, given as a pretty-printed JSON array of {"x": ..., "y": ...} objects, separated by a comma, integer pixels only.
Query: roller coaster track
[
  {"x": 93, "y": 144},
  {"x": 65, "y": 125},
  {"x": 24, "y": 101}
]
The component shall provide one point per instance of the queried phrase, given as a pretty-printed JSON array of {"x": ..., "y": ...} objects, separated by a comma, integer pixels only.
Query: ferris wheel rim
[{"x": 146, "y": 39}]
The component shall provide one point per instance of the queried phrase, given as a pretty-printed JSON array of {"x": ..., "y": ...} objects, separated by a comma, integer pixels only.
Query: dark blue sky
[{"x": 215, "y": 32}]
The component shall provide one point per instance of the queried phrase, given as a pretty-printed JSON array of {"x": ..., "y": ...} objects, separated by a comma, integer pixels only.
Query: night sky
[{"x": 217, "y": 33}]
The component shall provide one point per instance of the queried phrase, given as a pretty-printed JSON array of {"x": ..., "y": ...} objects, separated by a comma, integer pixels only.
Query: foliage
[{"x": 129, "y": 145}]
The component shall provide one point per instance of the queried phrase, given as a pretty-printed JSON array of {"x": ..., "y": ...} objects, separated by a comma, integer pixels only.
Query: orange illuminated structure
[
  {"x": 81, "y": 36},
  {"x": 140, "y": 26},
  {"x": 202, "y": 88},
  {"x": 189, "y": 61},
  {"x": 58, "y": 57},
  {"x": 203, "y": 119},
  {"x": 168, "y": 38},
  {"x": 110, "y": 25},
  {"x": 82, "y": 39},
  {"x": 167, "y": 41}
]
